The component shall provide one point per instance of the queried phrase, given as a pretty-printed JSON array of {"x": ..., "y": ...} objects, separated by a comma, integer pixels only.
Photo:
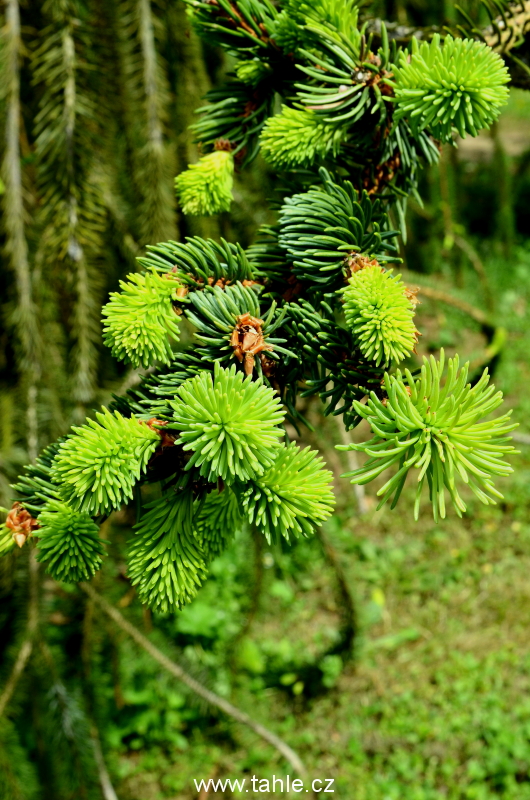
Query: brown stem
[
  {"x": 353, "y": 464},
  {"x": 477, "y": 265},
  {"x": 177, "y": 672},
  {"x": 473, "y": 312},
  {"x": 107, "y": 789},
  {"x": 18, "y": 668},
  {"x": 347, "y": 605},
  {"x": 257, "y": 586}
]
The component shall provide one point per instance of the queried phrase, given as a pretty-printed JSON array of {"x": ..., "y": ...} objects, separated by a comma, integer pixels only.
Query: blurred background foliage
[{"x": 96, "y": 98}]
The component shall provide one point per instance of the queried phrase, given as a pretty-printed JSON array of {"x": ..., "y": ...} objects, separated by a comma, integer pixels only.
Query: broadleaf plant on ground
[{"x": 312, "y": 308}]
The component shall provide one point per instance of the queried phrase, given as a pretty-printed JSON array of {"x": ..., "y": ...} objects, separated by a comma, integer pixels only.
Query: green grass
[{"x": 437, "y": 702}]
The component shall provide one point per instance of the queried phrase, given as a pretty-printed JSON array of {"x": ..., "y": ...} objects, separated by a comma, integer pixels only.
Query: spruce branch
[
  {"x": 199, "y": 262},
  {"x": 151, "y": 397},
  {"x": 228, "y": 324},
  {"x": 72, "y": 215},
  {"x": 166, "y": 560},
  {"x": 439, "y": 429},
  {"x": 140, "y": 319},
  {"x": 147, "y": 101},
  {"x": 298, "y": 137},
  {"x": 235, "y": 25},
  {"x": 458, "y": 85},
  {"x": 334, "y": 366},
  {"x": 218, "y": 521},
  {"x": 68, "y": 540},
  {"x": 97, "y": 466},
  {"x": 229, "y": 423},
  {"x": 379, "y": 310},
  {"x": 235, "y": 114},
  {"x": 291, "y": 497},
  {"x": 206, "y": 187},
  {"x": 35, "y": 486},
  {"x": 326, "y": 228},
  {"x": 340, "y": 15},
  {"x": 25, "y": 314}
]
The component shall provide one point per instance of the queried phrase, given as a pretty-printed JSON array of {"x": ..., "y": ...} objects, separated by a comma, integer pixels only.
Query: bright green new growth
[
  {"x": 252, "y": 72},
  {"x": 7, "y": 543},
  {"x": 98, "y": 465},
  {"x": 380, "y": 315},
  {"x": 206, "y": 187},
  {"x": 229, "y": 423},
  {"x": 277, "y": 311},
  {"x": 436, "y": 429},
  {"x": 341, "y": 14},
  {"x": 218, "y": 522},
  {"x": 69, "y": 541},
  {"x": 292, "y": 497},
  {"x": 140, "y": 319},
  {"x": 296, "y": 137},
  {"x": 458, "y": 85},
  {"x": 166, "y": 560}
]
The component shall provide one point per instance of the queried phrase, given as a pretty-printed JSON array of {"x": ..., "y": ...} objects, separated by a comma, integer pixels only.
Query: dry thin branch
[
  {"x": 477, "y": 265},
  {"x": 177, "y": 671},
  {"x": 353, "y": 464},
  {"x": 435, "y": 294},
  {"x": 27, "y": 645},
  {"x": 107, "y": 789},
  {"x": 347, "y": 604},
  {"x": 18, "y": 668}
]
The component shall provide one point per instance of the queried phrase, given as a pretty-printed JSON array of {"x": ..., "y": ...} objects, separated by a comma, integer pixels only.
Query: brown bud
[
  {"x": 247, "y": 340},
  {"x": 20, "y": 521}
]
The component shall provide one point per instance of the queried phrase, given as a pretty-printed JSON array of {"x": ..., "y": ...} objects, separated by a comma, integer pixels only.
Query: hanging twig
[
  {"x": 27, "y": 645},
  {"x": 107, "y": 788},
  {"x": 347, "y": 605},
  {"x": 18, "y": 668},
  {"x": 353, "y": 464},
  {"x": 16, "y": 246},
  {"x": 147, "y": 101},
  {"x": 177, "y": 671},
  {"x": 255, "y": 590},
  {"x": 435, "y": 294},
  {"x": 477, "y": 265}
]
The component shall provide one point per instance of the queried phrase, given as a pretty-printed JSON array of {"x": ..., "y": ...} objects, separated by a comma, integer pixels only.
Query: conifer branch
[
  {"x": 506, "y": 32},
  {"x": 152, "y": 99},
  {"x": 146, "y": 108},
  {"x": 176, "y": 670},
  {"x": 25, "y": 316},
  {"x": 205, "y": 424},
  {"x": 71, "y": 215}
]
